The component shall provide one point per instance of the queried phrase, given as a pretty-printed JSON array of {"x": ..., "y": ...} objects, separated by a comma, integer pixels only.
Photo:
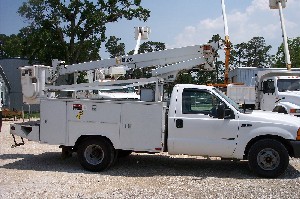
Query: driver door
[
  {"x": 269, "y": 96},
  {"x": 196, "y": 130}
]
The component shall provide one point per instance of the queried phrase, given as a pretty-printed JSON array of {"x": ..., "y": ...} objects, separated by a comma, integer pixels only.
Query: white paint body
[
  {"x": 241, "y": 94},
  {"x": 204, "y": 135},
  {"x": 141, "y": 126},
  {"x": 130, "y": 125},
  {"x": 108, "y": 94}
]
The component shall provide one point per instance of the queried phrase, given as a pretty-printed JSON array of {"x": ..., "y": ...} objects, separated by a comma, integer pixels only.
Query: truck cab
[
  {"x": 203, "y": 121},
  {"x": 281, "y": 94},
  {"x": 268, "y": 89}
]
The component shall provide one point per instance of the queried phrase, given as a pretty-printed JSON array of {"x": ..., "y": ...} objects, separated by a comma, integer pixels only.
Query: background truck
[
  {"x": 198, "y": 120},
  {"x": 270, "y": 89}
]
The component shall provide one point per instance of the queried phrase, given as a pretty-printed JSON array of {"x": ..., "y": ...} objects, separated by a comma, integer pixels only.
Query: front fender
[
  {"x": 288, "y": 105},
  {"x": 267, "y": 131}
]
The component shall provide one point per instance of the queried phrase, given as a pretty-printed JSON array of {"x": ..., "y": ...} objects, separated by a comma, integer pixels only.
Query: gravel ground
[{"x": 37, "y": 171}]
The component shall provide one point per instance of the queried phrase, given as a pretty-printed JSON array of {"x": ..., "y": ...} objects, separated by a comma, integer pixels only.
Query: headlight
[{"x": 292, "y": 110}]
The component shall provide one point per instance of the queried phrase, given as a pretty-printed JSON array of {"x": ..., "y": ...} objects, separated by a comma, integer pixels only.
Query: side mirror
[
  {"x": 228, "y": 114},
  {"x": 221, "y": 111},
  {"x": 224, "y": 113}
]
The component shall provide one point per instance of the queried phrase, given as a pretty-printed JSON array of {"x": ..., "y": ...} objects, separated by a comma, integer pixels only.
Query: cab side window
[
  {"x": 268, "y": 86},
  {"x": 195, "y": 101}
]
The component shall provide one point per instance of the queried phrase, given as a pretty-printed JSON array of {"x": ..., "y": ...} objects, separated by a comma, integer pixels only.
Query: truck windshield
[
  {"x": 288, "y": 85},
  {"x": 229, "y": 100}
]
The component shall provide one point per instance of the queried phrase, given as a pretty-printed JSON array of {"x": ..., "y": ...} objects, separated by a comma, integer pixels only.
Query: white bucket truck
[
  {"x": 199, "y": 120},
  {"x": 269, "y": 89}
]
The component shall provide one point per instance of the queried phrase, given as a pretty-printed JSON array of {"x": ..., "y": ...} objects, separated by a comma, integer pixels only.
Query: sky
[{"x": 179, "y": 23}]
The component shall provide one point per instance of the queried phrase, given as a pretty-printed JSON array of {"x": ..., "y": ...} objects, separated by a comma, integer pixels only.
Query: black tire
[
  {"x": 268, "y": 158},
  {"x": 115, "y": 159},
  {"x": 96, "y": 154},
  {"x": 124, "y": 153}
]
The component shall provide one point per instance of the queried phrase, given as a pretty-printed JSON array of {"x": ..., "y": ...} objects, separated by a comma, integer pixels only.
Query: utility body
[{"x": 197, "y": 120}]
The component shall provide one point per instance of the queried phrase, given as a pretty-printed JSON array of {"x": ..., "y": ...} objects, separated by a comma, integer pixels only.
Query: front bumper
[{"x": 296, "y": 148}]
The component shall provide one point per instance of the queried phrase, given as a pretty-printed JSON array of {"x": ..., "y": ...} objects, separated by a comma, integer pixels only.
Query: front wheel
[
  {"x": 268, "y": 158},
  {"x": 95, "y": 154}
]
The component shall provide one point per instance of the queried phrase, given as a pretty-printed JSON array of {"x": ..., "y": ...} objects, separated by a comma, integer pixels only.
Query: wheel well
[
  {"x": 280, "y": 109},
  {"x": 85, "y": 137},
  {"x": 274, "y": 137}
]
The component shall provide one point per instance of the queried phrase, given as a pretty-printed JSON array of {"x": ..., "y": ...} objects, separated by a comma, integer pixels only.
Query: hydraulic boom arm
[{"x": 36, "y": 80}]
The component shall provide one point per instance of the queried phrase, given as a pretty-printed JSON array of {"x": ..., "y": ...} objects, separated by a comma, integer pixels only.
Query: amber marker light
[{"x": 298, "y": 134}]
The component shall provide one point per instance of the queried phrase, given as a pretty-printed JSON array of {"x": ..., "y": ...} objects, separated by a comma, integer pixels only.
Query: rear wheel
[
  {"x": 95, "y": 154},
  {"x": 268, "y": 158}
]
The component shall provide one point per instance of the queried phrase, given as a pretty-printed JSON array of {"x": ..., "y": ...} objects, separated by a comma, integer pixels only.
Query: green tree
[
  {"x": 199, "y": 76},
  {"x": 10, "y": 46},
  {"x": 239, "y": 55},
  {"x": 42, "y": 45},
  {"x": 216, "y": 38},
  {"x": 206, "y": 77},
  {"x": 219, "y": 73},
  {"x": 114, "y": 48},
  {"x": 184, "y": 77},
  {"x": 294, "y": 48},
  {"x": 196, "y": 76},
  {"x": 216, "y": 76},
  {"x": 73, "y": 27},
  {"x": 254, "y": 53},
  {"x": 151, "y": 46}
]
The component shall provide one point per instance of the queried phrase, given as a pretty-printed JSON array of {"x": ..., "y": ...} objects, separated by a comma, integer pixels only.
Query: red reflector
[
  {"x": 13, "y": 128},
  {"x": 157, "y": 149},
  {"x": 77, "y": 106},
  {"x": 206, "y": 47}
]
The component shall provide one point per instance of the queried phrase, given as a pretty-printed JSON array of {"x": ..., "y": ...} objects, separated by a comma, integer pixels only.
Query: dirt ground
[{"x": 37, "y": 171}]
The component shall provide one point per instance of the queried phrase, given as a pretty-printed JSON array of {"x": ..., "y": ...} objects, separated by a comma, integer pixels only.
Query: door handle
[{"x": 179, "y": 123}]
